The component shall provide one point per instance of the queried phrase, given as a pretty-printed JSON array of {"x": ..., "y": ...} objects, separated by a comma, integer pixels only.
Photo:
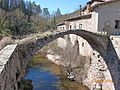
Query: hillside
[{"x": 63, "y": 17}]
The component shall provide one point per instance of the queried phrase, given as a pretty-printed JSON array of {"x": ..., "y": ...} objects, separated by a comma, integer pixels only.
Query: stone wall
[
  {"x": 8, "y": 65},
  {"x": 13, "y": 61}
]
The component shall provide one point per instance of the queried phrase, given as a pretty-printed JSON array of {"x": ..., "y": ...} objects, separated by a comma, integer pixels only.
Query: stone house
[{"x": 99, "y": 16}]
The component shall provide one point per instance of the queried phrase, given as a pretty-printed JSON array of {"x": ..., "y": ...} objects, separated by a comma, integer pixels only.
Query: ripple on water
[{"x": 42, "y": 79}]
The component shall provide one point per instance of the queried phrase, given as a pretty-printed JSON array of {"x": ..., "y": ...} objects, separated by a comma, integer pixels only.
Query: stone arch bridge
[{"x": 14, "y": 58}]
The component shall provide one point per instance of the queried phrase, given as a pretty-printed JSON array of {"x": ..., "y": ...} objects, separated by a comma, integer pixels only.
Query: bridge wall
[{"x": 8, "y": 64}]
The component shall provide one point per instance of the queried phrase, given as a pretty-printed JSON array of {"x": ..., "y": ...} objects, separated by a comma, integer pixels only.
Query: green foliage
[
  {"x": 20, "y": 18},
  {"x": 25, "y": 85},
  {"x": 46, "y": 13},
  {"x": 4, "y": 29},
  {"x": 58, "y": 12}
]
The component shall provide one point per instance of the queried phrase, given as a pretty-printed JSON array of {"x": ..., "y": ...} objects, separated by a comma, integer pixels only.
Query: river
[{"x": 46, "y": 75}]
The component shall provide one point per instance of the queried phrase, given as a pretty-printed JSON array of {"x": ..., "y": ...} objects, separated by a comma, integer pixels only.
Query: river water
[{"x": 49, "y": 76}]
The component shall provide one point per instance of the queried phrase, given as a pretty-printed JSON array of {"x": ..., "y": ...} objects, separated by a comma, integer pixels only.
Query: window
[
  {"x": 112, "y": 38},
  {"x": 80, "y": 26},
  {"x": 70, "y": 27},
  {"x": 117, "y": 24},
  {"x": 93, "y": 53},
  {"x": 75, "y": 26},
  {"x": 98, "y": 56},
  {"x": 82, "y": 44}
]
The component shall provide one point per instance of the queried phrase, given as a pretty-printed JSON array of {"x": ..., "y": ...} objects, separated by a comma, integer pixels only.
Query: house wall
[
  {"x": 86, "y": 24},
  {"x": 94, "y": 22},
  {"x": 81, "y": 24},
  {"x": 107, "y": 16}
]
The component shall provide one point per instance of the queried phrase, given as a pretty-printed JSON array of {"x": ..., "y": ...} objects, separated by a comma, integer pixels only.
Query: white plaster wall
[
  {"x": 86, "y": 24},
  {"x": 86, "y": 49},
  {"x": 73, "y": 38},
  {"x": 116, "y": 43},
  {"x": 62, "y": 42},
  {"x": 94, "y": 22},
  {"x": 108, "y": 13}
]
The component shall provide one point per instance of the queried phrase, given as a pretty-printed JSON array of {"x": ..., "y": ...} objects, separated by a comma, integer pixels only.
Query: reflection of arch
[{"x": 97, "y": 42}]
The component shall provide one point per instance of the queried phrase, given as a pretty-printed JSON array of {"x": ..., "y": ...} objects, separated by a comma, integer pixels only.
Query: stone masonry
[{"x": 14, "y": 58}]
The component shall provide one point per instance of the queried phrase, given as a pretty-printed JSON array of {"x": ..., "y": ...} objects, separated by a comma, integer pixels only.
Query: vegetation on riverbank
[
  {"x": 40, "y": 60},
  {"x": 25, "y": 85}
]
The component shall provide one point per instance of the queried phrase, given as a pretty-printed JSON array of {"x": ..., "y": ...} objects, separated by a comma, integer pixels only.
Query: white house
[
  {"x": 97, "y": 16},
  {"x": 61, "y": 26}
]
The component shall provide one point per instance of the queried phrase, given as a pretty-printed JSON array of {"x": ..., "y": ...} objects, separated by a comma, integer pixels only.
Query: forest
[{"x": 19, "y": 18}]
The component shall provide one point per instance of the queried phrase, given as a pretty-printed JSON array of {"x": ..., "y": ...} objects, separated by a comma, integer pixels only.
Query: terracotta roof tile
[
  {"x": 105, "y": 3},
  {"x": 88, "y": 16},
  {"x": 62, "y": 23}
]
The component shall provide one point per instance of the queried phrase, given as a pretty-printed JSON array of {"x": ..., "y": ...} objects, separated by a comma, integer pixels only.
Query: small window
[
  {"x": 93, "y": 53},
  {"x": 117, "y": 24},
  {"x": 70, "y": 27},
  {"x": 112, "y": 38},
  {"x": 80, "y": 26},
  {"x": 82, "y": 44},
  {"x": 98, "y": 56}
]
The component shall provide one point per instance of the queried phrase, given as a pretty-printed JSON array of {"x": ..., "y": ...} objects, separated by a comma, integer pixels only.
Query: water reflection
[
  {"x": 49, "y": 76},
  {"x": 42, "y": 79}
]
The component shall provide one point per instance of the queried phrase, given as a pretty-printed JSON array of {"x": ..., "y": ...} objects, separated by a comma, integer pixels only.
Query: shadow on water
[{"x": 46, "y": 75}]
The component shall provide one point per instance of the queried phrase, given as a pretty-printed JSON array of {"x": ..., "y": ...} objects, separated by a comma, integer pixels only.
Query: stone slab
[{"x": 5, "y": 54}]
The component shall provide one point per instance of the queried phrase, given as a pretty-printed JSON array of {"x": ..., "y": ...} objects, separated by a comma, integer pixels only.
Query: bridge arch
[
  {"x": 97, "y": 42},
  {"x": 28, "y": 47}
]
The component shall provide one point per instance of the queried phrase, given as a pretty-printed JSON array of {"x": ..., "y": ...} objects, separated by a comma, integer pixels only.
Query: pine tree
[
  {"x": 13, "y": 5},
  {"x": 58, "y": 13},
  {"x": 5, "y": 5},
  {"x": 46, "y": 13},
  {"x": 21, "y": 5},
  {"x": 29, "y": 10}
]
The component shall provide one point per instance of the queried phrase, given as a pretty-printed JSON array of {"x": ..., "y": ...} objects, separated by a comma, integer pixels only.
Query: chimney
[{"x": 80, "y": 10}]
